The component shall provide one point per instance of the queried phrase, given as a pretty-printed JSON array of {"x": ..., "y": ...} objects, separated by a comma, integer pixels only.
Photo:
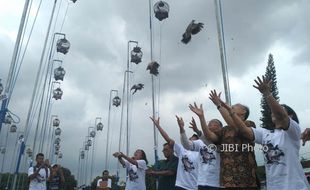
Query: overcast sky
[{"x": 99, "y": 31}]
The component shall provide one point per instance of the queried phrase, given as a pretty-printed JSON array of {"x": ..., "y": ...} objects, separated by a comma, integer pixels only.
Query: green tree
[
  {"x": 266, "y": 112},
  {"x": 70, "y": 181}
]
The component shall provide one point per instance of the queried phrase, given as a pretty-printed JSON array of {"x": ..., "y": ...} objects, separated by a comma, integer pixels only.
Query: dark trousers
[
  {"x": 208, "y": 188},
  {"x": 241, "y": 188},
  {"x": 179, "y": 188}
]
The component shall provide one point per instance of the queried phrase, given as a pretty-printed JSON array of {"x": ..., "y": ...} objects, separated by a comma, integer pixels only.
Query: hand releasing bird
[
  {"x": 137, "y": 87},
  {"x": 153, "y": 67},
  {"x": 191, "y": 29}
]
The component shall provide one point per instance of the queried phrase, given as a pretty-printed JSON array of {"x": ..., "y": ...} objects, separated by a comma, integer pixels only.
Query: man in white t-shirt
[
  {"x": 38, "y": 174},
  {"x": 104, "y": 183}
]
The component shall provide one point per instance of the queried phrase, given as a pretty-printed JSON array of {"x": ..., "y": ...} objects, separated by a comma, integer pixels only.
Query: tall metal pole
[
  {"x": 221, "y": 40},
  {"x": 35, "y": 90},
  {"x": 127, "y": 99},
  {"x": 155, "y": 132},
  {"x": 3, "y": 158},
  {"x": 9, "y": 81},
  {"x": 108, "y": 131}
]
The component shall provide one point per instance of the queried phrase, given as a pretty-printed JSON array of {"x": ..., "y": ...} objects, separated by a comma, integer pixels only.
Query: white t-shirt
[
  {"x": 109, "y": 183},
  {"x": 136, "y": 175},
  {"x": 281, "y": 154},
  {"x": 187, "y": 168},
  {"x": 38, "y": 183},
  {"x": 209, "y": 164}
]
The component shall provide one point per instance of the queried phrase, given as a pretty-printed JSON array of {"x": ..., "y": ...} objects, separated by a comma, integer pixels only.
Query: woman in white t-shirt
[
  {"x": 136, "y": 167},
  {"x": 280, "y": 146}
]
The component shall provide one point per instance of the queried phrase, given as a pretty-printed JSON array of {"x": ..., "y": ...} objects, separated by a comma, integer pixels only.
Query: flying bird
[
  {"x": 137, "y": 87},
  {"x": 192, "y": 29},
  {"x": 153, "y": 67}
]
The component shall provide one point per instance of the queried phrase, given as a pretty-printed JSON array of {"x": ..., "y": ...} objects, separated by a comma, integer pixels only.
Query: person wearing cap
[{"x": 56, "y": 179}]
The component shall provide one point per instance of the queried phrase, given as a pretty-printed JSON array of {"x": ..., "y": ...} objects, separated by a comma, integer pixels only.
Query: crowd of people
[
  {"x": 222, "y": 157},
  {"x": 215, "y": 157}
]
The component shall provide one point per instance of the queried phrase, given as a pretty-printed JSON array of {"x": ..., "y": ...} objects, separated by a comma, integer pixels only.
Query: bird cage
[
  {"x": 56, "y": 152},
  {"x": 82, "y": 154},
  {"x": 29, "y": 152},
  {"x": 57, "y": 93},
  {"x": 89, "y": 143},
  {"x": 99, "y": 126},
  {"x": 56, "y": 122},
  {"x": 57, "y": 131},
  {"x": 60, "y": 155},
  {"x": 92, "y": 134},
  {"x": 136, "y": 55},
  {"x": 8, "y": 119},
  {"x": 73, "y": 1},
  {"x": 21, "y": 138},
  {"x": 86, "y": 147},
  {"x": 161, "y": 10},
  {"x": 57, "y": 147},
  {"x": 1, "y": 87},
  {"x": 57, "y": 141},
  {"x": 3, "y": 150},
  {"x": 116, "y": 101},
  {"x": 63, "y": 45},
  {"x": 59, "y": 73},
  {"x": 13, "y": 128}
]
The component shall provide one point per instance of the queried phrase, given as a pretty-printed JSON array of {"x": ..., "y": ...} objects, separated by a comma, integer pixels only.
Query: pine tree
[{"x": 266, "y": 112}]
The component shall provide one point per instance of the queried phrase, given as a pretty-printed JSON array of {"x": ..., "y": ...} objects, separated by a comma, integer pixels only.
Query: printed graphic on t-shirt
[
  {"x": 132, "y": 173},
  {"x": 103, "y": 184},
  {"x": 188, "y": 165},
  {"x": 206, "y": 155},
  {"x": 272, "y": 154}
]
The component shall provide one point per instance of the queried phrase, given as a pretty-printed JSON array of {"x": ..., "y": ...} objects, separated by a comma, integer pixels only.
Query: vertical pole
[
  {"x": 10, "y": 80},
  {"x": 155, "y": 132},
  {"x": 221, "y": 40}
]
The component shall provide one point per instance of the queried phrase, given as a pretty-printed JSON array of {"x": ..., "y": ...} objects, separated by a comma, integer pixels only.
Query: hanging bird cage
[
  {"x": 161, "y": 10},
  {"x": 136, "y": 55},
  {"x": 92, "y": 134},
  {"x": 8, "y": 119},
  {"x": 57, "y": 141},
  {"x": 116, "y": 101},
  {"x": 57, "y": 147},
  {"x": 3, "y": 150},
  {"x": 60, "y": 155},
  {"x": 99, "y": 126},
  {"x": 86, "y": 147},
  {"x": 73, "y": 1},
  {"x": 63, "y": 45},
  {"x": 1, "y": 87},
  {"x": 13, "y": 128},
  {"x": 57, "y": 131},
  {"x": 82, "y": 154},
  {"x": 29, "y": 152},
  {"x": 89, "y": 142},
  {"x": 59, "y": 73},
  {"x": 56, "y": 122},
  {"x": 21, "y": 138},
  {"x": 56, "y": 152},
  {"x": 57, "y": 93}
]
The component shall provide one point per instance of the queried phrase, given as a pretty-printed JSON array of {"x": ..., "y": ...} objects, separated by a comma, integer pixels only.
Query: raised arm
[
  {"x": 120, "y": 159},
  {"x": 216, "y": 99},
  {"x": 281, "y": 117},
  {"x": 162, "y": 131},
  {"x": 211, "y": 136},
  {"x": 244, "y": 130}
]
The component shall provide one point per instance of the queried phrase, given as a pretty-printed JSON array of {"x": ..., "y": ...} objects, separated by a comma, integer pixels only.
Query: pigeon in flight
[
  {"x": 153, "y": 67},
  {"x": 137, "y": 87},
  {"x": 192, "y": 29}
]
